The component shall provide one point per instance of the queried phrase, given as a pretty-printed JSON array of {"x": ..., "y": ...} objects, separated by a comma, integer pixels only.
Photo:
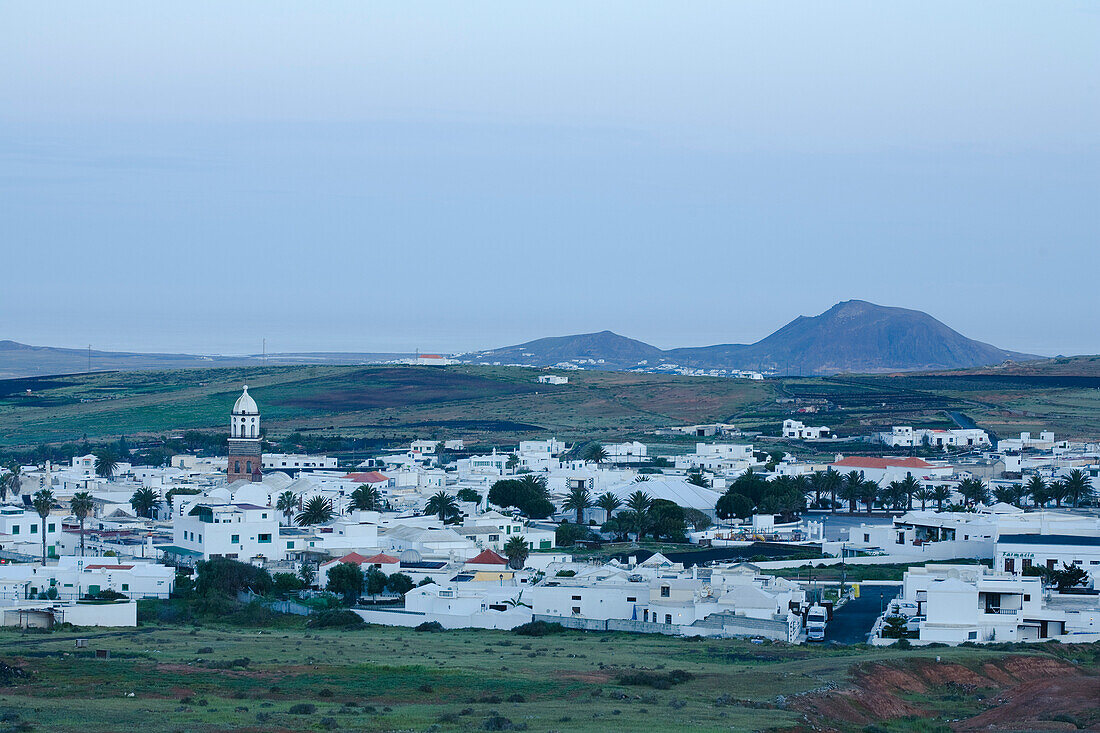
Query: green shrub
[
  {"x": 335, "y": 619},
  {"x": 538, "y": 628}
]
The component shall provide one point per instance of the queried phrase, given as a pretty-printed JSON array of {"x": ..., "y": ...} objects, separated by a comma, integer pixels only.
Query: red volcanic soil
[{"x": 1019, "y": 693}]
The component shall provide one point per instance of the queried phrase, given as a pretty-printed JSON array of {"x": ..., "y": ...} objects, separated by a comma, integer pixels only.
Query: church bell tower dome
[{"x": 245, "y": 456}]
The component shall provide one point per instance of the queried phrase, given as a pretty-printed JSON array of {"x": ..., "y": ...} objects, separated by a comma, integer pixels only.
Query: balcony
[{"x": 1002, "y": 611}]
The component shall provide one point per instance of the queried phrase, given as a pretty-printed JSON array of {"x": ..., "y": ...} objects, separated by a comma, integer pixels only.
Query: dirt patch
[
  {"x": 595, "y": 678},
  {"x": 1020, "y": 692}
]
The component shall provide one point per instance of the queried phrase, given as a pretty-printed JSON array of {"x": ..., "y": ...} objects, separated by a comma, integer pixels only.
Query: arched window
[
  {"x": 248, "y": 467},
  {"x": 236, "y": 467}
]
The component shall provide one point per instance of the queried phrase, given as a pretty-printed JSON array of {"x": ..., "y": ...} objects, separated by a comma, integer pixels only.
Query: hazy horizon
[{"x": 195, "y": 178}]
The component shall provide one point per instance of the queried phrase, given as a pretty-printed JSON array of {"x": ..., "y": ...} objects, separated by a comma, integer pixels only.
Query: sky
[{"x": 369, "y": 176}]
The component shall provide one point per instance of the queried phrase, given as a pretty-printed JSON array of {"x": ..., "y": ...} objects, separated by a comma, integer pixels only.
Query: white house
[
  {"x": 1015, "y": 553},
  {"x": 75, "y": 577},
  {"x": 552, "y": 379},
  {"x": 633, "y": 452},
  {"x": 21, "y": 531},
  {"x": 796, "y": 430},
  {"x": 884, "y": 470},
  {"x": 244, "y": 532},
  {"x": 296, "y": 462},
  {"x": 904, "y": 436}
]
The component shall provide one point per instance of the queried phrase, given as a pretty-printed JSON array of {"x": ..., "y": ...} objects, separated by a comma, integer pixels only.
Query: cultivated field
[
  {"x": 171, "y": 678},
  {"x": 498, "y": 405}
]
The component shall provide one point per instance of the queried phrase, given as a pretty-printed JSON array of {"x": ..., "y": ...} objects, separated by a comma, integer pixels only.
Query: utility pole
[{"x": 89, "y": 357}]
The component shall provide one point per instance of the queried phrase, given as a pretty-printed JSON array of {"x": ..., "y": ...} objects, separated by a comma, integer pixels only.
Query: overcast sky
[{"x": 363, "y": 176}]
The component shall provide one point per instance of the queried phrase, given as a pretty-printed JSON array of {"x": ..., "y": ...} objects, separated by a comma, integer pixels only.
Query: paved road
[{"x": 852, "y": 622}]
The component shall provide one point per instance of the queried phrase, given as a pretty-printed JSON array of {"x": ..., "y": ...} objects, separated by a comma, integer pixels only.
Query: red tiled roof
[
  {"x": 866, "y": 462},
  {"x": 370, "y": 477},
  {"x": 382, "y": 559},
  {"x": 108, "y": 567},
  {"x": 487, "y": 557},
  {"x": 353, "y": 557}
]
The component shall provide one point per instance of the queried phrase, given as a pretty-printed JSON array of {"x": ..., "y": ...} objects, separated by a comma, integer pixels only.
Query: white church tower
[{"x": 245, "y": 457}]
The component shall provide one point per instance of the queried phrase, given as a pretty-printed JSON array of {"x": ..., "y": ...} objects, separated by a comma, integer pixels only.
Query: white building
[
  {"x": 297, "y": 462},
  {"x": 884, "y": 470},
  {"x": 21, "y": 531},
  {"x": 953, "y": 604},
  {"x": 795, "y": 430},
  {"x": 903, "y": 436},
  {"x": 1015, "y": 553},
  {"x": 1044, "y": 442},
  {"x": 74, "y": 577},
  {"x": 552, "y": 379},
  {"x": 633, "y": 452},
  {"x": 244, "y": 532},
  {"x": 717, "y": 457}
]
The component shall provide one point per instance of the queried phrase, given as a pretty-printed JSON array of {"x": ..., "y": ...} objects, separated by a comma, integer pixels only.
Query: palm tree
[
  {"x": 817, "y": 483},
  {"x": 1008, "y": 494},
  {"x": 639, "y": 504},
  {"x": 594, "y": 453},
  {"x": 894, "y": 495},
  {"x": 10, "y": 480},
  {"x": 1036, "y": 488},
  {"x": 577, "y": 501},
  {"x": 43, "y": 504},
  {"x": 941, "y": 494},
  {"x": 512, "y": 462},
  {"x": 868, "y": 493},
  {"x": 516, "y": 550},
  {"x": 105, "y": 465},
  {"x": 144, "y": 501},
  {"x": 973, "y": 491},
  {"x": 924, "y": 494},
  {"x": 696, "y": 478},
  {"x": 909, "y": 487},
  {"x": 286, "y": 504},
  {"x": 534, "y": 482},
  {"x": 1077, "y": 486},
  {"x": 443, "y": 505},
  {"x": 852, "y": 490},
  {"x": 609, "y": 503},
  {"x": 1057, "y": 491},
  {"x": 317, "y": 510},
  {"x": 831, "y": 482},
  {"x": 81, "y": 505},
  {"x": 641, "y": 478},
  {"x": 366, "y": 498}
]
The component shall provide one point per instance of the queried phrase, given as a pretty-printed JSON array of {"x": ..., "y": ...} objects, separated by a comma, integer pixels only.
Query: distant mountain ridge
[{"x": 852, "y": 336}]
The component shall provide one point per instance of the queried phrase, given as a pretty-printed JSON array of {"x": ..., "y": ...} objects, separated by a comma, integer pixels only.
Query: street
[{"x": 852, "y": 622}]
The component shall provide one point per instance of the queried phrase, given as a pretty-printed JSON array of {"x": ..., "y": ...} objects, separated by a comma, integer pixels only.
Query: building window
[
  {"x": 668, "y": 618},
  {"x": 264, "y": 538},
  {"x": 1010, "y": 565},
  {"x": 125, "y": 586},
  {"x": 290, "y": 545},
  {"x": 235, "y": 539},
  {"x": 236, "y": 466},
  {"x": 631, "y": 599},
  {"x": 665, "y": 591},
  {"x": 34, "y": 529},
  {"x": 1027, "y": 597},
  {"x": 52, "y": 527},
  {"x": 577, "y": 610},
  {"x": 576, "y": 598},
  {"x": 248, "y": 466},
  {"x": 972, "y": 636},
  {"x": 15, "y": 529}
]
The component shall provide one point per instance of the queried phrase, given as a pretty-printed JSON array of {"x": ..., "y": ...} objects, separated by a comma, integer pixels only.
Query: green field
[
  {"x": 170, "y": 678},
  {"x": 498, "y": 405}
]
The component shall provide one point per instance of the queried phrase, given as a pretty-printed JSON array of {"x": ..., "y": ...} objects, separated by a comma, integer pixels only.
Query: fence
[{"x": 293, "y": 607}]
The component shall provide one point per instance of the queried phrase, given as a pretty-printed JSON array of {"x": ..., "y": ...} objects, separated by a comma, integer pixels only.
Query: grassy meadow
[{"x": 175, "y": 678}]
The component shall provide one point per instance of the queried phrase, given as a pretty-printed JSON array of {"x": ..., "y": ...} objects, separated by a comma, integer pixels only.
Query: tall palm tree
[
  {"x": 443, "y": 505},
  {"x": 641, "y": 478},
  {"x": 366, "y": 498},
  {"x": 105, "y": 465},
  {"x": 817, "y": 483},
  {"x": 894, "y": 495},
  {"x": 1036, "y": 488},
  {"x": 286, "y": 504},
  {"x": 317, "y": 510},
  {"x": 924, "y": 494},
  {"x": 639, "y": 503},
  {"x": 609, "y": 503},
  {"x": 1057, "y": 491},
  {"x": 941, "y": 494},
  {"x": 11, "y": 481},
  {"x": 43, "y": 504},
  {"x": 851, "y": 490},
  {"x": 81, "y": 505},
  {"x": 577, "y": 501},
  {"x": 534, "y": 482},
  {"x": 696, "y": 478},
  {"x": 1077, "y": 486},
  {"x": 974, "y": 491},
  {"x": 516, "y": 550},
  {"x": 909, "y": 487},
  {"x": 830, "y": 483},
  {"x": 868, "y": 493},
  {"x": 144, "y": 501},
  {"x": 595, "y": 453}
]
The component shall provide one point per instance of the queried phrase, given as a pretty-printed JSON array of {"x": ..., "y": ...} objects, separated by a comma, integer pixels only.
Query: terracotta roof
[
  {"x": 108, "y": 567},
  {"x": 487, "y": 557},
  {"x": 352, "y": 557},
  {"x": 865, "y": 462},
  {"x": 370, "y": 477},
  {"x": 382, "y": 559}
]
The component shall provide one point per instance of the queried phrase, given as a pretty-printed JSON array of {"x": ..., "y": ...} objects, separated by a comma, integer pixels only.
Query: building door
[{"x": 1010, "y": 565}]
